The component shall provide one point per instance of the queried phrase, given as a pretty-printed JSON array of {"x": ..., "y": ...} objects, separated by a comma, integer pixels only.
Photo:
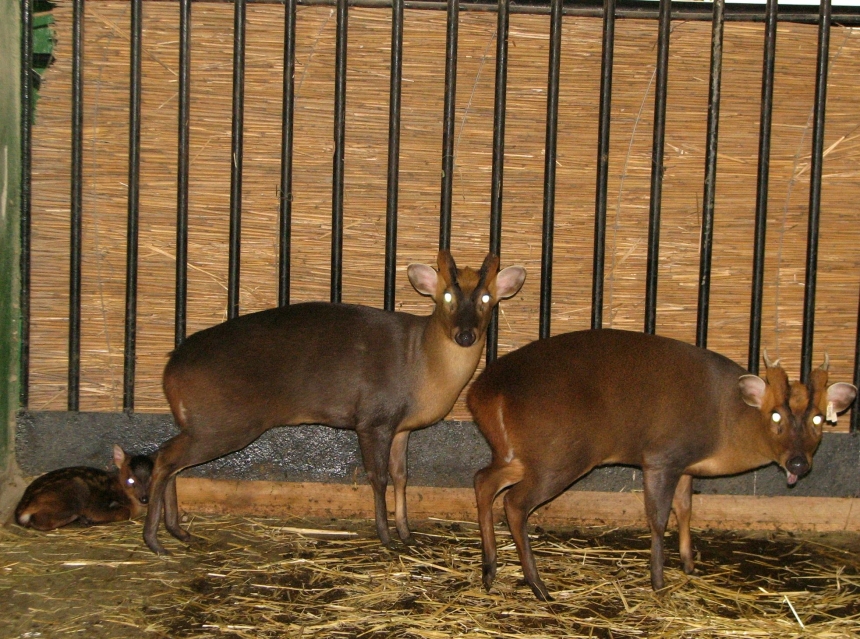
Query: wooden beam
[{"x": 735, "y": 512}]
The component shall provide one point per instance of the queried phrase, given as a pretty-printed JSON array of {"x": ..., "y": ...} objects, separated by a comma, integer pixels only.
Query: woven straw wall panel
[{"x": 105, "y": 175}]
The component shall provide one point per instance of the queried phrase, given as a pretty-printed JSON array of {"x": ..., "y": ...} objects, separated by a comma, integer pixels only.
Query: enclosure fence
[{"x": 664, "y": 11}]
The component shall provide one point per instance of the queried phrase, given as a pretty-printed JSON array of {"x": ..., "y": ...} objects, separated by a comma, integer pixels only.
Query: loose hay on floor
[{"x": 271, "y": 578}]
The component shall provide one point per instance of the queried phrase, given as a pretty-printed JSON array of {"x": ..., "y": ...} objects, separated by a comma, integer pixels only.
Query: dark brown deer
[
  {"x": 87, "y": 495},
  {"x": 556, "y": 408},
  {"x": 382, "y": 374}
]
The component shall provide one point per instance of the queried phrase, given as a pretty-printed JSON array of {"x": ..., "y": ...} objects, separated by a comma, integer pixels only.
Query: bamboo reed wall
[{"x": 105, "y": 176}]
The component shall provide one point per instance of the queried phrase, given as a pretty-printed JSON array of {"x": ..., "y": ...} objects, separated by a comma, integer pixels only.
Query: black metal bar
[
  {"x": 707, "y": 239},
  {"x": 548, "y": 229},
  {"x": 767, "y": 78},
  {"x": 815, "y": 189},
  {"x": 182, "y": 172},
  {"x": 130, "y": 351},
  {"x": 393, "y": 153},
  {"x": 286, "y": 194},
  {"x": 658, "y": 144},
  {"x": 498, "y": 169},
  {"x": 448, "y": 123},
  {"x": 602, "y": 164},
  {"x": 26, "y": 196},
  {"x": 76, "y": 205},
  {"x": 236, "y": 159},
  {"x": 339, "y": 150}
]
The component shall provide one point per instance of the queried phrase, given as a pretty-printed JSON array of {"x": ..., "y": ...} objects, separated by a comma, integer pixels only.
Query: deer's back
[{"x": 305, "y": 363}]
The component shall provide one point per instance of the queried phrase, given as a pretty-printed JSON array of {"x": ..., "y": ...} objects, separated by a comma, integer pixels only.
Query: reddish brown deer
[
  {"x": 87, "y": 495},
  {"x": 556, "y": 408},
  {"x": 380, "y": 373}
]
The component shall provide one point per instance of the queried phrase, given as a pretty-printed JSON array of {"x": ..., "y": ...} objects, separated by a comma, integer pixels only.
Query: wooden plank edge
[{"x": 729, "y": 512}]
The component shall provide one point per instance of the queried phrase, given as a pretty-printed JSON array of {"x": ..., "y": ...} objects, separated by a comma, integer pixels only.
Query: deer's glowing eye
[
  {"x": 485, "y": 298},
  {"x": 448, "y": 297},
  {"x": 776, "y": 418},
  {"x": 817, "y": 420},
  {"x": 130, "y": 481}
]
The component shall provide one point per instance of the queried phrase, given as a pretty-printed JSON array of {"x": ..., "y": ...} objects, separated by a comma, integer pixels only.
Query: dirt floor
[{"x": 247, "y": 577}]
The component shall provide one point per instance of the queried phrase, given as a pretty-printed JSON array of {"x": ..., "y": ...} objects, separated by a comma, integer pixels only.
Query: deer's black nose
[
  {"x": 465, "y": 338},
  {"x": 797, "y": 465}
]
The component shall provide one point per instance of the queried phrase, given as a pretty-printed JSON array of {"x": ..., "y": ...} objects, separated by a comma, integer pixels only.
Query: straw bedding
[
  {"x": 105, "y": 176},
  {"x": 248, "y": 578}
]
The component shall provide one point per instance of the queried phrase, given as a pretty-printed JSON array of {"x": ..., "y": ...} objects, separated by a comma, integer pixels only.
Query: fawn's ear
[{"x": 118, "y": 456}]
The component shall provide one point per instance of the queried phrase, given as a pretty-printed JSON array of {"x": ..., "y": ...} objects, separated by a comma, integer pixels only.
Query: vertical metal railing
[
  {"x": 339, "y": 151},
  {"x": 767, "y": 80},
  {"x": 548, "y": 229},
  {"x": 498, "y": 170},
  {"x": 396, "y": 73},
  {"x": 658, "y": 144},
  {"x": 236, "y": 151},
  {"x": 707, "y": 232},
  {"x": 285, "y": 222},
  {"x": 605, "y": 118},
  {"x": 448, "y": 109},
  {"x": 76, "y": 206},
  {"x": 130, "y": 350},
  {"x": 817, "y": 160},
  {"x": 453, "y": 7},
  {"x": 26, "y": 194},
  {"x": 182, "y": 172}
]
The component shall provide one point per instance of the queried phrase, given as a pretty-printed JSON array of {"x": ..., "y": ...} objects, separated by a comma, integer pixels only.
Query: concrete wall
[{"x": 445, "y": 455}]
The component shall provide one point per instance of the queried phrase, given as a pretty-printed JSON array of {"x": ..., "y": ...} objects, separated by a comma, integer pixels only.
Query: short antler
[
  {"x": 489, "y": 268},
  {"x": 447, "y": 267},
  {"x": 767, "y": 360}
]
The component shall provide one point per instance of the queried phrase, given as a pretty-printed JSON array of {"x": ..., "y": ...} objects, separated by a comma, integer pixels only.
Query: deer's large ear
[
  {"x": 509, "y": 281},
  {"x": 841, "y": 395},
  {"x": 752, "y": 389},
  {"x": 424, "y": 278}
]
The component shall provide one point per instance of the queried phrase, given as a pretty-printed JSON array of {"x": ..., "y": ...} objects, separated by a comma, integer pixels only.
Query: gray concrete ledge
[{"x": 444, "y": 455}]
